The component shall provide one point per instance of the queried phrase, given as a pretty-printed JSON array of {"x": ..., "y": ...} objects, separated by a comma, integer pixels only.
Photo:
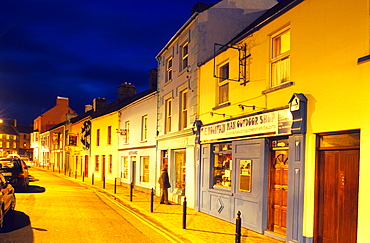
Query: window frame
[
  {"x": 97, "y": 163},
  {"x": 279, "y": 58},
  {"x": 184, "y": 99},
  {"x": 184, "y": 55},
  {"x": 168, "y": 115},
  {"x": 169, "y": 69},
  {"x": 223, "y": 83},
  {"x": 127, "y": 128},
  {"x": 218, "y": 149},
  {"x": 109, "y": 135},
  {"x": 97, "y": 137},
  {"x": 144, "y": 128},
  {"x": 144, "y": 169}
]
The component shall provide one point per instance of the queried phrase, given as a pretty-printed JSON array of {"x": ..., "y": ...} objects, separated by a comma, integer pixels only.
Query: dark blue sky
[{"x": 79, "y": 49}]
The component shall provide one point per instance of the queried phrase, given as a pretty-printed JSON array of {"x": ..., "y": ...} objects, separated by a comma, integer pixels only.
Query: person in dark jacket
[{"x": 164, "y": 183}]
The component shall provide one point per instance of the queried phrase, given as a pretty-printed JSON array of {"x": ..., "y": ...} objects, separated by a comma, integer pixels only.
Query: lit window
[
  {"x": 127, "y": 130},
  {"x": 184, "y": 109},
  {"x": 180, "y": 168},
  {"x": 1, "y": 144},
  {"x": 184, "y": 56},
  {"x": 145, "y": 169},
  {"x": 223, "y": 84},
  {"x": 144, "y": 128},
  {"x": 222, "y": 165},
  {"x": 280, "y": 61},
  {"x": 124, "y": 161},
  {"x": 110, "y": 164},
  {"x": 168, "y": 115},
  {"x": 169, "y": 69},
  {"x": 14, "y": 145},
  {"x": 7, "y": 144}
]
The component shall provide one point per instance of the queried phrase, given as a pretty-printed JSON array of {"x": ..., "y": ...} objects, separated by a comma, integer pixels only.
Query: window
[
  {"x": 1, "y": 144},
  {"x": 127, "y": 130},
  {"x": 222, "y": 165},
  {"x": 184, "y": 55},
  {"x": 144, "y": 128},
  {"x": 168, "y": 115},
  {"x": 144, "y": 169},
  {"x": 223, "y": 84},
  {"x": 280, "y": 61},
  {"x": 184, "y": 109},
  {"x": 7, "y": 144},
  {"x": 98, "y": 137},
  {"x": 24, "y": 145},
  {"x": 169, "y": 69},
  {"x": 109, "y": 135},
  {"x": 110, "y": 164},
  {"x": 180, "y": 167},
  {"x": 14, "y": 145},
  {"x": 124, "y": 161},
  {"x": 96, "y": 162}
]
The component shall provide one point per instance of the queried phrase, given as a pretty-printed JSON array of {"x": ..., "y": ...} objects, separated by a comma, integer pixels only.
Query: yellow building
[{"x": 281, "y": 107}]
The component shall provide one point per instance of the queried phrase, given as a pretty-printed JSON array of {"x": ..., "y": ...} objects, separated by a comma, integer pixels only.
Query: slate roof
[{"x": 9, "y": 130}]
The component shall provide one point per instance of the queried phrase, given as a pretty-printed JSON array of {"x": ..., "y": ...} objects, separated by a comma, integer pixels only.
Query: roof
[{"x": 9, "y": 130}]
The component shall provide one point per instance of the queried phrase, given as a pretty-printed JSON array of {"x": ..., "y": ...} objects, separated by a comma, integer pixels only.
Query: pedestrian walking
[{"x": 164, "y": 183}]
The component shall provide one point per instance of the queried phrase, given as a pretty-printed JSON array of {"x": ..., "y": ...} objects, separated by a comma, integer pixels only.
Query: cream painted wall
[{"x": 326, "y": 41}]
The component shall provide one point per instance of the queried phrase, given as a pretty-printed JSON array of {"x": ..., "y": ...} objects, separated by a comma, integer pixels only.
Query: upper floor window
[
  {"x": 223, "y": 84},
  {"x": 184, "y": 56},
  {"x": 184, "y": 109},
  {"x": 169, "y": 69},
  {"x": 127, "y": 131},
  {"x": 98, "y": 137},
  {"x": 280, "y": 60},
  {"x": 144, "y": 128},
  {"x": 109, "y": 139},
  {"x": 168, "y": 108}
]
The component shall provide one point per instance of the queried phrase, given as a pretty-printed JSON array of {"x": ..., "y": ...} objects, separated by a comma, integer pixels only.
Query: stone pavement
[{"x": 200, "y": 227}]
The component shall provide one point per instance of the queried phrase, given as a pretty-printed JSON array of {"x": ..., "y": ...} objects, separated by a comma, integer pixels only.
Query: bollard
[
  {"x": 76, "y": 174},
  {"x": 184, "y": 214},
  {"x": 152, "y": 201},
  {"x": 92, "y": 179},
  {"x": 83, "y": 176},
  {"x": 104, "y": 182},
  {"x": 238, "y": 228},
  {"x": 115, "y": 186},
  {"x": 131, "y": 190},
  {"x": 59, "y": 169}
]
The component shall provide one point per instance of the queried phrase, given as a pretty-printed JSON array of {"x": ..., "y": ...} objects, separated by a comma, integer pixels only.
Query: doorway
[
  {"x": 278, "y": 187},
  {"x": 337, "y": 181}
]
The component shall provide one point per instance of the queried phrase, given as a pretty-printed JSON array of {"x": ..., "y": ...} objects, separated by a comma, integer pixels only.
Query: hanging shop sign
[{"x": 276, "y": 122}]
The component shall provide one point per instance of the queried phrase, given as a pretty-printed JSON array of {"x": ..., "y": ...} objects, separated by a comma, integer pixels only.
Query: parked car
[
  {"x": 7, "y": 198},
  {"x": 15, "y": 171}
]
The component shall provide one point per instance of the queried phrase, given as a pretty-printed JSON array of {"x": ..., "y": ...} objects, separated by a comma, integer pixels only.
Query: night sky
[{"x": 79, "y": 49}]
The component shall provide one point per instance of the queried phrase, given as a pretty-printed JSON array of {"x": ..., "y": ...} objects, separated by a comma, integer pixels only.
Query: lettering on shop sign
[{"x": 253, "y": 125}]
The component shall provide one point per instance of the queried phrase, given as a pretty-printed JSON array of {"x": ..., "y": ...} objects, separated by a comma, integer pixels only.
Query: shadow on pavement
[
  {"x": 15, "y": 220},
  {"x": 32, "y": 189}
]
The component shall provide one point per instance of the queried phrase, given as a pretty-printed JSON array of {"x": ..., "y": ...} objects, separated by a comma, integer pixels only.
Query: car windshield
[{"x": 9, "y": 164}]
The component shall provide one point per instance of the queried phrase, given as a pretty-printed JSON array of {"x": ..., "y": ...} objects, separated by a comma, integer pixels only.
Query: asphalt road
[{"x": 58, "y": 210}]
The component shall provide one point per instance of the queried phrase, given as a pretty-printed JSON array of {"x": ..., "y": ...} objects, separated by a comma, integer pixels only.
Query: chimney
[
  {"x": 12, "y": 122},
  {"x": 62, "y": 101},
  {"x": 88, "y": 108},
  {"x": 153, "y": 78},
  {"x": 200, "y": 7},
  {"x": 99, "y": 103},
  {"x": 126, "y": 90}
]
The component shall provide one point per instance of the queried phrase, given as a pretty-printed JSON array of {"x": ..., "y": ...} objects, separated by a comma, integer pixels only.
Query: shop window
[
  {"x": 144, "y": 169},
  {"x": 223, "y": 84},
  {"x": 169, "y": 69},
  {"x": 180, "y": 160},
  {"x": 110, "y": 164},
  {"x": 124, "y": 161},
  {"x": 280, "y": 60},
  {"x": 222, "y": 165}
]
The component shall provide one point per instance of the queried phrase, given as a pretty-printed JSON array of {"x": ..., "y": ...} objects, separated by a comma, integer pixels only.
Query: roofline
[
  {"x": 270, "y": 15},
  {"x": 187, "y": 23}
]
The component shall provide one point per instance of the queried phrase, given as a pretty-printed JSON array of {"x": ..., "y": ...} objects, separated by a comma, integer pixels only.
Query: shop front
[{"x": 255, "y": 164}]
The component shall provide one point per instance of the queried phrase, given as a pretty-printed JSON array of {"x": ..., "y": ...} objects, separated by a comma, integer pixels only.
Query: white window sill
[{"x": 278, "y": 87}]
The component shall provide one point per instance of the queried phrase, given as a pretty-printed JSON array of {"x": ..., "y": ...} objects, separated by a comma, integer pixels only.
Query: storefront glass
[
  {"x": 222, "y": 165},
  {"x": 180, "y": 158}
]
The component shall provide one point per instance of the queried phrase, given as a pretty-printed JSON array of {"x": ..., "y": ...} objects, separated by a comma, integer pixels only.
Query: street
[{"x": 58, "y": 210}]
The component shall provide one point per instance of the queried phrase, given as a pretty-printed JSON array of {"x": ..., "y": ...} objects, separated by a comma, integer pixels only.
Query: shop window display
[{"x": 222, "y": 165}]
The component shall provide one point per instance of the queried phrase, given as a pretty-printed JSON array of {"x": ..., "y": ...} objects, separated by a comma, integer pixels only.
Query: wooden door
[
  {"x": 337, "y": 199},
  {"x": 278, "y": 191}
]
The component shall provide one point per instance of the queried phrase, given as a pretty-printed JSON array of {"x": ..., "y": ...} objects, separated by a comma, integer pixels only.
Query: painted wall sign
[{"x": 276, "y": 122}]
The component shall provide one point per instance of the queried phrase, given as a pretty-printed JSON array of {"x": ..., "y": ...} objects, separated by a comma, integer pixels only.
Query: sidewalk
[{"x": 200, "y": 227}]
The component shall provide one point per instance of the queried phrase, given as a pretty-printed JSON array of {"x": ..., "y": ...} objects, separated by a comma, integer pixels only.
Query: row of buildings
[{"x": 255, "y": 106}]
